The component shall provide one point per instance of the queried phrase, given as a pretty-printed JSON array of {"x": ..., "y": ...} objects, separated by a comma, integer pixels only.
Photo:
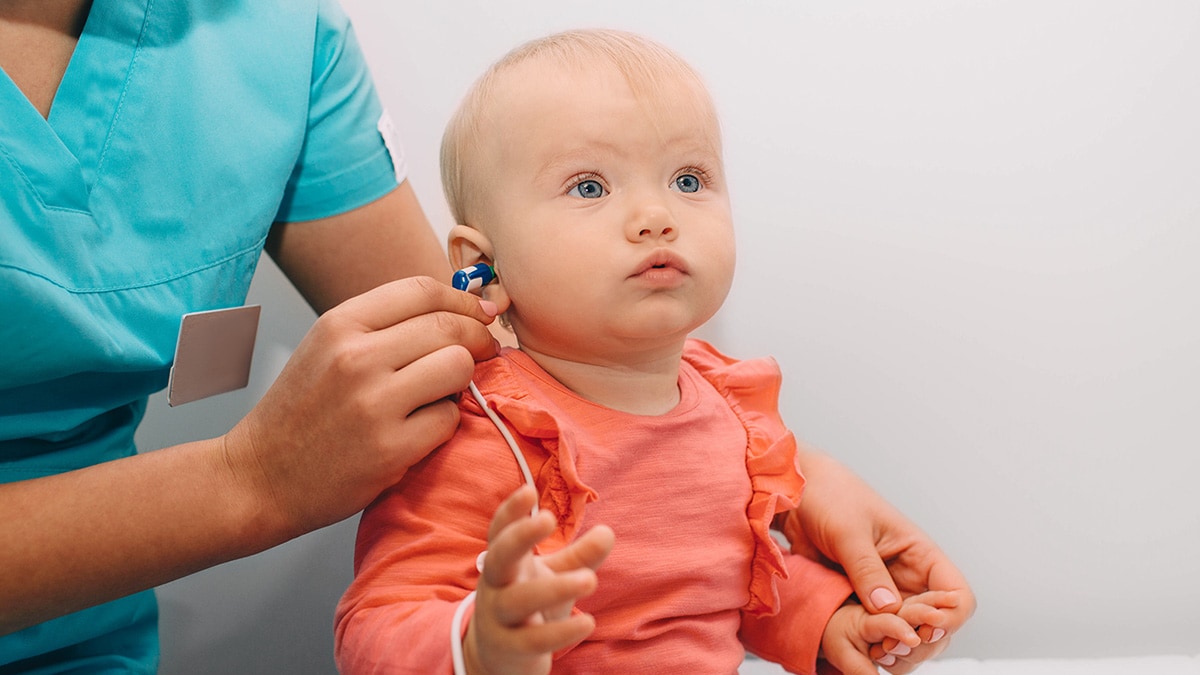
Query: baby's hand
[
  {"x": 927, "y": 612},
  {"x": 523, "y": 602},
  {"x": 853, "y": 637}
]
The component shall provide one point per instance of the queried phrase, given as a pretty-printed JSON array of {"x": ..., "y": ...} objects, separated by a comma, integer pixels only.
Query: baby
[{"x": 586, "y": 168}]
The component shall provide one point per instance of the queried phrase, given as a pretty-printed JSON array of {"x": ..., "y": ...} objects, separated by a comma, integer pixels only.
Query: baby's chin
[
  {"x": 636, "y": 330},
  {"x": 612, "y": 347}
]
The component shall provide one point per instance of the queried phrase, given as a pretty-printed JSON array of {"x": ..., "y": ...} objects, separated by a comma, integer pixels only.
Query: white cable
[
  {"x": 456, "y": 653},
  {"x": 512, "y": 444}
]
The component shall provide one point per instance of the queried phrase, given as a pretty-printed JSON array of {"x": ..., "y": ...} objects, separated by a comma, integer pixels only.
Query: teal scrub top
[{"x": 181, "y": 131}]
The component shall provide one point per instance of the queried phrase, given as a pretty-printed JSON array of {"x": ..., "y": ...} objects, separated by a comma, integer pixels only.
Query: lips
[{"x": 661, "y": 259}]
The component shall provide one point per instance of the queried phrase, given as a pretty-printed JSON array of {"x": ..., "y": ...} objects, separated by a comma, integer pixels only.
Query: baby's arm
[
  {"x": 416, "y": 552},
  {"x": 809, "y": 595},
  {"x": 414, "y": 560},
  {"x": 523, "y": 602},
  {"x": 852, "y": 637}
]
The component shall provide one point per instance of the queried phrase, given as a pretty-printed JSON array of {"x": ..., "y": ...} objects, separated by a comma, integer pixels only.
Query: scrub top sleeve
[{"x": 344, "y": 162}]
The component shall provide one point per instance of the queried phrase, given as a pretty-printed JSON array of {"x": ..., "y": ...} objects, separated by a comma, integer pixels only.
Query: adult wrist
[{"x": 258, "y": 519}]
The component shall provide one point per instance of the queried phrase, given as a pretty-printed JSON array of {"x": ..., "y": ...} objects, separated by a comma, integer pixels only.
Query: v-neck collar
[{"x": 62, "y": 155}]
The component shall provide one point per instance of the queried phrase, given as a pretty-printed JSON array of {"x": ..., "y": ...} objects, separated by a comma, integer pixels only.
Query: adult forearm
[{"x": 85, "y": 537}]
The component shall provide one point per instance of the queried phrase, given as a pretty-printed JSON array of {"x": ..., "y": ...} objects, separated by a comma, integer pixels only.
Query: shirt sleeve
[
  {"x": 344, "y": 162},
  {"x": 807, "y": 599},
  {"x": 415, "y": 556}
]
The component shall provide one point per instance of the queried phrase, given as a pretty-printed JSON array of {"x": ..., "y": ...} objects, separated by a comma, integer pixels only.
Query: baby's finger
[
  {"x": 938, "y": 599},
  {"x": 930, "y": 634},
  {"x": 849, "y": 660},
  {"x": 514, "y": 507},
  {"x": 927, "y": 612},
  {"x": 553, "y": 636},
  {"x": 553, "y": 596},
  {"x": 893, "y": 663},
  {"x": 896, "y": 635},
  {"x": 880, "y": 655},
  {"x": 901, "y": 665},
  {"x": 922, "y": 615},
  {"x": 588, "y": 551},
  {"x": 506, "y": 551}
]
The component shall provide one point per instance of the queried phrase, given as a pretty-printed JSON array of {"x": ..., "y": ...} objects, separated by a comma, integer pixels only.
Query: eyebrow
[
  {"x": 596, "y": 151},
  {"x": 587, "y": 153}
]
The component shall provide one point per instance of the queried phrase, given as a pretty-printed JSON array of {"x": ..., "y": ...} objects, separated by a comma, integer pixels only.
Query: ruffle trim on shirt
[
  {"x": 752, "y": 390},
  {"x": 562, "y": 491}
]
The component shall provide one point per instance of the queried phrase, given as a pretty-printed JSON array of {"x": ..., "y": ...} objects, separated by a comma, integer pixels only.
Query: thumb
[{"x": 868, "y": 574}]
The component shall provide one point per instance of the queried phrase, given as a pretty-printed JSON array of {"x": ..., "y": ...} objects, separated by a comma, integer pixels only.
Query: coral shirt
[{"x": 694, "y": 574}]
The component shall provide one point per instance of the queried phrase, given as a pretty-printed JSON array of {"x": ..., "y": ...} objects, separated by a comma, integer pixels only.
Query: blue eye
[
  {"x": 687, "y": 183},
  {"x": 588, "y": 189}
]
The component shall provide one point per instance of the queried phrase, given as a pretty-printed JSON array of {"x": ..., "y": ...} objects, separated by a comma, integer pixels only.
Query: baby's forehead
[
  {"x": 660, "y": 86},
  {"x": 648, "y": 75}
]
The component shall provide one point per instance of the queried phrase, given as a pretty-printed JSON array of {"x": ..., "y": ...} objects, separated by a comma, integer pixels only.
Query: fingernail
[
  {"x": 900, "y": 649},
  {"x": 886, "y": 660},
  {"x": 938, "y": 634},
  {"x": 489, "y": 307},
  {"x": 882, "y": 597}
]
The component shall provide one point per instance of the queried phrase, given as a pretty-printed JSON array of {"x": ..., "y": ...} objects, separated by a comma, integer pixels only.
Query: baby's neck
[{"x": 643, "y": 385}]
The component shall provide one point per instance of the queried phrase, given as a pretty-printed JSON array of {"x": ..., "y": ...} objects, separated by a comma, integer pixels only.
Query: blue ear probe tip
[{"x": 474, "y": 277}]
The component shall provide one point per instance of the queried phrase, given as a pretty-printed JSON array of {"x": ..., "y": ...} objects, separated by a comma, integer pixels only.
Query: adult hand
[
  {"x": 887, "y": 558},
  {"x": 364, "y": 396},
  {"x": 523, "y": 602}
]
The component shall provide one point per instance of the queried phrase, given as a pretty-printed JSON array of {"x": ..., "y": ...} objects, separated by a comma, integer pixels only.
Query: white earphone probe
[{"x": 471, "y": 279}]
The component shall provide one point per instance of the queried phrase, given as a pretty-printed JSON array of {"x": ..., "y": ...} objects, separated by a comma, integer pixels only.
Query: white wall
[{"x": 968, "y": 231}]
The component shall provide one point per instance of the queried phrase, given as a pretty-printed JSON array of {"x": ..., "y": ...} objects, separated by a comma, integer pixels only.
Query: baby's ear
[{"x": 468, "y": 246}]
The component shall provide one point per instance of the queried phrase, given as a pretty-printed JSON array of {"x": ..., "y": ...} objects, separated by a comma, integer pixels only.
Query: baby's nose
[{"x": 652, "y": 222}]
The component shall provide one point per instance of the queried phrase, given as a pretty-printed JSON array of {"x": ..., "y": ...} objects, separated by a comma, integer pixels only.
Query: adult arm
[
  {"x": 333, "y": 259},
  {"x": 361, "y": 399}
]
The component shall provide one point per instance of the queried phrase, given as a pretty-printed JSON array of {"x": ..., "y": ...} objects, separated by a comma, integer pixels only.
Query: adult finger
[
  {"x": 399, "y": 344},
  {"x": 857, "y": 554},
  {"x": 945, "y": 576},
  {"x": 398, "y": 301},
  {"x": 435, "y": 376},
  {"x": 433, "y": 424}
]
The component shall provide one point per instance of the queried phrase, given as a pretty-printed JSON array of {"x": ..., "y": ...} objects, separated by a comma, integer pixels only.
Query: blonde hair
[{"x": 645, "y": 64}]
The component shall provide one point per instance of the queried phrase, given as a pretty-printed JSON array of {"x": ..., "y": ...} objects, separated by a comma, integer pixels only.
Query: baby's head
[{"x": 586, "y": 167}]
